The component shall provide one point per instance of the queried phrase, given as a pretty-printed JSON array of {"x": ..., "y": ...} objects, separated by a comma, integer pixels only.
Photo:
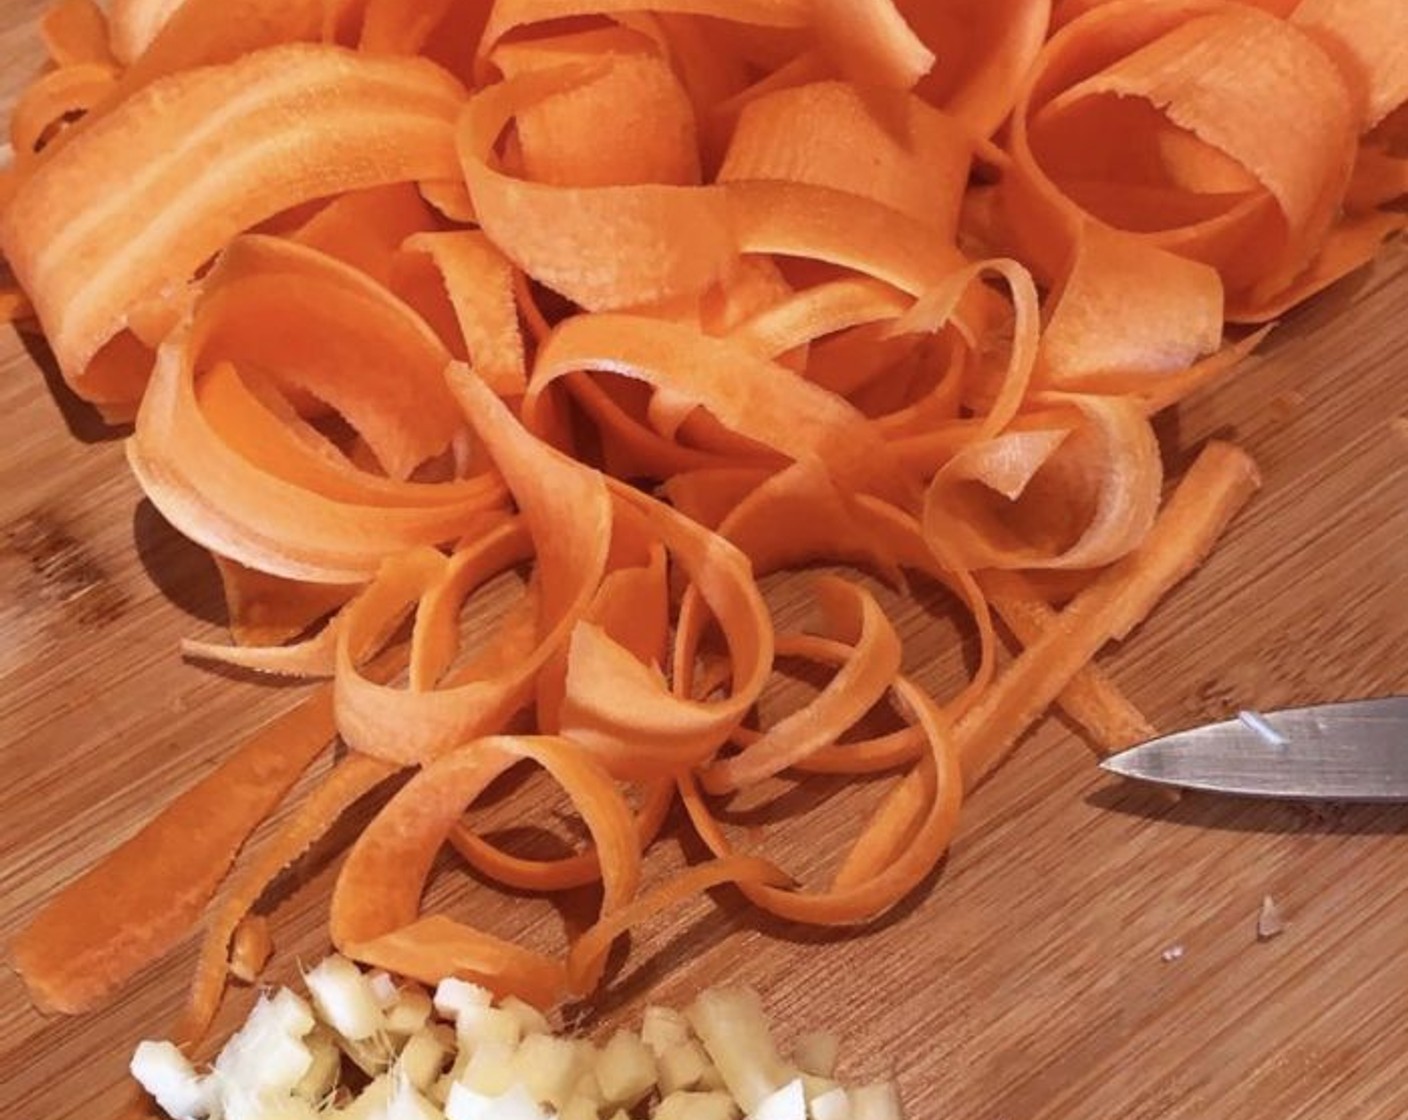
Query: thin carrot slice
[
  {"x": 595, "y": 942},
  {"x": 348, "y": 782},
  {"x": 818, "y": 223},
  {"x": 1129, "y": 307},
  {"x": 800, "y": 516},
  {"x": 926, "y": 835},
  {"x": 147, "y": 894},
  {"x": 52, "y": 100},
  {"x": 634, "y": 123},
  {"x": 242, "y": 482},
  {"x": 76, "y": 32},
  {"x": 366, "y": 229},
  {"x": 570, "y": 871},
  {"x": 984, "y": 50},
  {"x": 266, "y": 610},
  {"x": 406, "y": 725},
  {"x": 870, "y": 42},
  {"x": 1073, "y": 500},
  {"x": 757, "y": 399},
  {"x": 919, "y": 157},
  {"x": 511, "y": 14},
  {"x": 618, "y": 709},
  {"x": 480, "y": 283},
  {"x": 805, "y": 316},
  {"x": 1218, "y": 484},
  {"x": 378, "y": 892},
  {"x": 667, "y": 241},
  {"x": 1368, "y": 40},
  {"x": 888, "y": 831},
  {"x": 1186, "y": 57},
  {"x": 569, "y": 516},
  {"x": 853, "y": 617},
  {"x": 85, "y": 262}
]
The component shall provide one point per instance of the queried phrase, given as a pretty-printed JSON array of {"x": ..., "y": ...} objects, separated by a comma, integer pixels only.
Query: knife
[{"x": 1351, "y": 751}]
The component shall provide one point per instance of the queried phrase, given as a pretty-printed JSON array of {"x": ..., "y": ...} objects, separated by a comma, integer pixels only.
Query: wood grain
[{"x": 1026, "y": 980}]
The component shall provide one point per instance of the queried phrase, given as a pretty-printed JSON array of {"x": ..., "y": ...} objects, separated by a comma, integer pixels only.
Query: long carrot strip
[
  {"x": 480, "y": 284},
  {"x": 147, "y": 894}
]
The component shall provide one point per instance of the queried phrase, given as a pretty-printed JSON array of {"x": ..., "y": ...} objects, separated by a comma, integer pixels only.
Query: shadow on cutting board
[
  {"x": 83, "y": 421},
  {"x": 1243, "y": 814}
]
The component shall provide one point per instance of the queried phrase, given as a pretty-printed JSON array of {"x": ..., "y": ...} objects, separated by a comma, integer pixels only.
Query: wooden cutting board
[{"x": 1027, "y": 979}]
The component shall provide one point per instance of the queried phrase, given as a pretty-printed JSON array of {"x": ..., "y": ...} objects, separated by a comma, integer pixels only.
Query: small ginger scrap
[{"x": 1269, "y": 922}]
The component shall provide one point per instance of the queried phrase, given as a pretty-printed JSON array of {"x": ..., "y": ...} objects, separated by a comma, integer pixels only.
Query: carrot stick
[{"x": 1219, "y": 483}]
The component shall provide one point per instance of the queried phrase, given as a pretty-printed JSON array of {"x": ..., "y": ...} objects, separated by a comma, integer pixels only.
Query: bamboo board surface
[{"x": 1027, "y": 979}]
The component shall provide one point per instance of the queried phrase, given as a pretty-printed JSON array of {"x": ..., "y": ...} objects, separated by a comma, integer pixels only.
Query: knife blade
[{"x": 1356, "y": 750}]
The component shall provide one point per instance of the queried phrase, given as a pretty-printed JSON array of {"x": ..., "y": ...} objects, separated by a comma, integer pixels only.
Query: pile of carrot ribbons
[{"x": 654, "y": 298}]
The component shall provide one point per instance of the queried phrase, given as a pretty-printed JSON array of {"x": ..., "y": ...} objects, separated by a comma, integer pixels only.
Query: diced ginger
[
  {"x": 684, "y": 1065},
  {"x": 423, "y": 1056},
  {"x": 588, "y": 1085},
  {"x": 454, "y": 997},
  {"x": 383, "y": 986},
  {"x": 278, "y": 1108},
  {"x": 465, "y": 1104},
  {"x": 548, "y": 1067},
  {"x": 515, "y": 1104},
  {"x": 321, "y": 1077},
  {"x": 663, "y": 1027},
  {"x": 734, "y": 1029},
  {"x": 625, "y": 1070},
  {"x": 409, "y": 1012},
  {"x": 489, "y": 1070},
  {"x": 880, "y": 1101},
  {"x": 686, "y": 1105},
  {"x": 579, "y": 1108},
  {"x": 372, "y": 1102},
  {"x": 408, "y": 1104},
  {"x": 373, "y": 1056},
  {"x": 788, "y": 1103},
  {"x": 267, "y": 1056},
  {"x": 530, "y": 1019},
  {"x": 832, "y": 1105},
  {"x": 477, "y": 1025},
  {"x": 817, "y": 1086},
  {"x": 345, "y": 999},
  {"x": 172, "y": 1081},
  {"x": 816, "y": 1053}
]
